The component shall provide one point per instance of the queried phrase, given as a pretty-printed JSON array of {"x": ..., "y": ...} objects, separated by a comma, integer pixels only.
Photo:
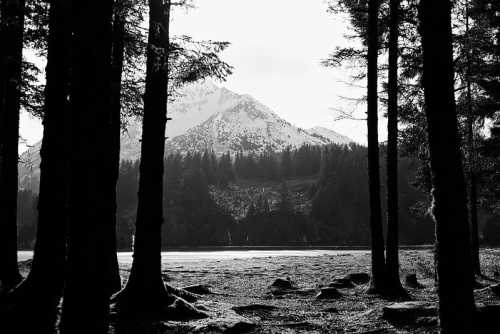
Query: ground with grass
[{"x": 243, "y": 300}]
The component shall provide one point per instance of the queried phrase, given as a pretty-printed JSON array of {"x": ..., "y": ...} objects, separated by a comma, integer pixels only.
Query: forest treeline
[
  {"x": 439, "y": 88},
  {"x": 193, "y": 218}
]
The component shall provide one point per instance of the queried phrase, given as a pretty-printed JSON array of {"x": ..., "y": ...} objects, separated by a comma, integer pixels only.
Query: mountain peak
[
  {"x": 208, "y": 116},
  {"x": 246, "y": 125}
]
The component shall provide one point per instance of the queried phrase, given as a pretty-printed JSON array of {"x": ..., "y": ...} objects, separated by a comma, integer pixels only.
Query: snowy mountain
[
  {"x": 194, "y": 105},
  {"x": 206, "y": 116},
  {"x": 248, "y": 126},
  {"x": 241, "y": 123}
]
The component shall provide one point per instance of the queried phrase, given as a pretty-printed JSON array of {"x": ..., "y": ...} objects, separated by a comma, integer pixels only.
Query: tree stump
[
  {"x": 409, "y": 311},
  {"x": 341, "y": 283},
  {"x": 329, "y": 293},
  {"x": 358, "y": 278},
  {"x": 412, "y": 282},
  {"x": 283, "y": 284}
]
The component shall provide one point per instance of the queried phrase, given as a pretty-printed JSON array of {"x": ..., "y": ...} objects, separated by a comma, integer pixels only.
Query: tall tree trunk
[
  {"x": 12, "y": 28},
  {"x": 471, "y": 156},
  {"x": 377, "y": 284},
  {"x": 37, "y": 297},
  {"x": 392, "y": 248},
  {"x": 476, "y": 262},
  {"x": 114, "y": 133},
  {"x": 454, "y": 261},
  {"x": 145, "y": 289},
  {"x": 86, "y": 291}
]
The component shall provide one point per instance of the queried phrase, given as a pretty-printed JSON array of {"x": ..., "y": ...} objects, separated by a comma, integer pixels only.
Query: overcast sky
[{"x": 276, "y": 49}]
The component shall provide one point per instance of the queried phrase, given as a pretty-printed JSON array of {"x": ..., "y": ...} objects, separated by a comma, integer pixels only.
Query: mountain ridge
[{"x": 209, "y": 117}]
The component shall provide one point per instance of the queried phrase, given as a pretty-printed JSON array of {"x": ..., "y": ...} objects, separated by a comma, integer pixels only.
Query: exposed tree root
[
  {"x": 30, "y": 300},
  {"x": 390, "y": 290},
  {"x": 181, "y": 293},
  {"x": 372, "y": 290},
  {"x": 6, "y": 286},
  {"x": 182, "y": 310},
  {"x": 168, "y": 304},
  {"x": 199, "y": 289}
]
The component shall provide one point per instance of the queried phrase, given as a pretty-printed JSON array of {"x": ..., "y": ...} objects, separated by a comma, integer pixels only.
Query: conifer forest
[{"x": 355, "y": 190}]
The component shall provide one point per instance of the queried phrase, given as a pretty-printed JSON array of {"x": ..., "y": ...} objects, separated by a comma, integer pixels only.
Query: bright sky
[{"x": 276, "y": 49}]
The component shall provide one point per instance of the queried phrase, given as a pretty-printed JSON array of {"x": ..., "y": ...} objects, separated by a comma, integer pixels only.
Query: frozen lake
[{"x": 189, "y": 256}]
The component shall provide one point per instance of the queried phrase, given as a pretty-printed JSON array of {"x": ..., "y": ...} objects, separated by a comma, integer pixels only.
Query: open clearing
[{"x": 242, "y": 300}]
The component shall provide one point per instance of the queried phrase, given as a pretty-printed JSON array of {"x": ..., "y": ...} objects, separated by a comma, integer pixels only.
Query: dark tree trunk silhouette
[
  {"x": 454, "y": 261},
  {"x": 114, "y": 132},
  {"x": 145, "y": 289},
  {"x": 38, "y": 295},
  {"x": 472, "y": 187},
  {"x": 11, "y": 38},
  {"x": 86, "y": 291},
  {"x": 377, "y": 235},
  {"x": 392, "y": 247},
  {"x": 471, "y": 156}
]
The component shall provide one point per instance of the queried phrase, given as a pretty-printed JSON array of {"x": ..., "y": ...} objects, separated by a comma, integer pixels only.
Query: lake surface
[{"x": 190, "y": 256}]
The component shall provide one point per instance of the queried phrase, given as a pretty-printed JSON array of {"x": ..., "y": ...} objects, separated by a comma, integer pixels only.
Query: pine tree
[
  {"x": 114, "y": 133},
  {"x": 239, "y": 164},
  {"x": 377, "y": 284},
  {"x": 208, "y": 168},
  {"x": 11, "y": 39},
  {"x": 225, "y": 170},
  {"x": 480, "y": 74},
  {"x": 286, "y": 163},
  {"x": 471, "y": 151},
  {"x": 145, "y": 290},
  {"x": 454, "y": 260},
  {"x": 285, "y": 203},
  {"x": 392, "y": 246},
  {"x": 86, "y": 288},
  {"x": 37, "y": 297}
]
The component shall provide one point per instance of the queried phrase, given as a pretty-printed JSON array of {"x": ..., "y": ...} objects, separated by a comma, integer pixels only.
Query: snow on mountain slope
[
  {"x": 249, "y": 126},
  {"x": 194, "y": 104},
  {"x": 331, "y": 135},
  {"x": 206, "y": 116}
]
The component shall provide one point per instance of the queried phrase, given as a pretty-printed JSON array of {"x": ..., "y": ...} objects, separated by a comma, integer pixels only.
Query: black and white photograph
[{"x": 249, "y": 166}]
